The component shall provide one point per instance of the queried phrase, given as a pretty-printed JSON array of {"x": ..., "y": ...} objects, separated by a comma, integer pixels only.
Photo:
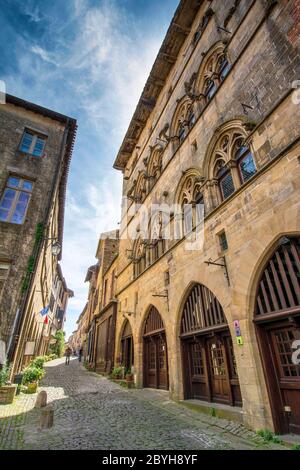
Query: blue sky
[{"x": 88, "y": 59}]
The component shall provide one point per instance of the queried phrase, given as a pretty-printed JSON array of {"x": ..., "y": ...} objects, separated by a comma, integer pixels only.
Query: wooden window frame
[
  {"x": 18, "y": 191},
  {"x": 35, "y": 136}
]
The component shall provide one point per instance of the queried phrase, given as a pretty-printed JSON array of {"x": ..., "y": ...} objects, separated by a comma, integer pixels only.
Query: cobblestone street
[{"x": 91, "y": 412}]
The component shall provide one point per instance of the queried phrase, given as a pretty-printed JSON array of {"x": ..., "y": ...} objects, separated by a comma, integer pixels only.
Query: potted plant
[
  {"x": 128, "y": 375},
  {"x": 7, "y": 391},
  {"x": 117, "y": 373},
  {"x": 31, "y": 377}
]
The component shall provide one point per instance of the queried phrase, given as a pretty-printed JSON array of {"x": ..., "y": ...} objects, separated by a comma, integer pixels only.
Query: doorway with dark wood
[
  {"x": 277, "y": 319},
  {"x": 207, "y": 352},
  {"x": 127, "y": 351},
  {"x": 155, "y": 357}
]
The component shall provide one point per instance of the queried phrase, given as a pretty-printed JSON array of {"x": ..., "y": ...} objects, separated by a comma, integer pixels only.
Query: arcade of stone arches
[{"x": 209, "y": 367}]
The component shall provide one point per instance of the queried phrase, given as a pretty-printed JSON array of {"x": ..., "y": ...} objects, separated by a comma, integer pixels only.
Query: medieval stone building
[
  {"x": 36, "y": 146},
  {"x": 216, "y": 130}
]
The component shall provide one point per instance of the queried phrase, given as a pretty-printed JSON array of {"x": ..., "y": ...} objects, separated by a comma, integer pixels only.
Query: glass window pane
[
  {"x": 224, "y": 69},
  {"x": 20, "y": 210},
  {"x": 227, "y": 186},
  {"x": 247, "y": 167},
  {"x": 211, "y": 89},
  {"x": 27, "y": 185},
  {"x": 14, "y": 182},
  {"x": 26, "y": 142},
  {"x": 3, "y": 214},
  {"x": 39, "y": 147},
  {"x": 188, "y": 218},
  {"x": 181, "y": 133}
]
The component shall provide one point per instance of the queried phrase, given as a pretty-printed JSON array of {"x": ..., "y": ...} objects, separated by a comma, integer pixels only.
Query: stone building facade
[
  {"x": 36, "y": 147},
  {"x": 216, "y": 131},
  {"x": 98, "y": 319}
]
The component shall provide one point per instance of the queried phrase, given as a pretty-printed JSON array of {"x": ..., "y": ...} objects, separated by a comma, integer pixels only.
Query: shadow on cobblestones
[{"x": 91, "y": 412}]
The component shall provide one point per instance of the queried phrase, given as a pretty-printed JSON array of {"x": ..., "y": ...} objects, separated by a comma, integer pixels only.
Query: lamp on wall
[{"x": 55, "y": 248}]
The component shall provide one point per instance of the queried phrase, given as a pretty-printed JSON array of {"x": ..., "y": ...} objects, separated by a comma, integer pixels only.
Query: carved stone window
[
  {"x": 183, "y": 120},
  {"x": 232, "y": 162},
  {"x": 190, "y": 198},
  {"x": 154, "y": 168},
  {"x": 140, "y": 188},
  {"x": 139, "y": 257},
  {"x": 213, "y": 70}
]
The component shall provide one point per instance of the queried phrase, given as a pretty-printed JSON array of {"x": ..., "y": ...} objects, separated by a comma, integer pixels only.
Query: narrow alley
[{"x": 91, "y": 412}]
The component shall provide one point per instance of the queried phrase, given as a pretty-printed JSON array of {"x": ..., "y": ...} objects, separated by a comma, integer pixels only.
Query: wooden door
[
  {"x": 150, "y": 366},
  {"x": 196, "y": 367},
  {"x": 288, "y": 374},
  {"x": 219, "y": 374},
  {"x": 156, "y": 362},
  {"x": 162, "y": 362}
]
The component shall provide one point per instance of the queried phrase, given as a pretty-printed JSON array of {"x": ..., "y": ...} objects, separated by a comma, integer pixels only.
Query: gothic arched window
[
  {"x": 154, "y": 168},
  {"x": 212, "y": 72},
  {"x": 140, "y": 188},
  {"x": 191, "y": 200},
  {"x": 232, "y": 162},
  {"x": 183, "y": 120}
]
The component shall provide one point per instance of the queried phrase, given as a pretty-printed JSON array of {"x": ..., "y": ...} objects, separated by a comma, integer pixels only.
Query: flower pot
[
  {"x": 32, "y": 387},
  {"x": 7, "y": 394},
  {"x": 129, "y": 377}
]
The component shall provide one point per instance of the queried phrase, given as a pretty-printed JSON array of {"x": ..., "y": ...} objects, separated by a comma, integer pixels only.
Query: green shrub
[
  {"x": 4, "y": 374},
  {"x": 58, "y": 348},
  {"x": 117, "y": 371},
  {"x": 268, "y": 436},
  {"x": 52, "y": 356},
  {"x": 296, "y": 447},
  {"x": 32, "y": 374},
  {"x": 38, "y": 362}
]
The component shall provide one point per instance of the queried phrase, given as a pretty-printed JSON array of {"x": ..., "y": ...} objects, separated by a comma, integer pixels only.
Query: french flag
[{"x": 44, "y": 311}]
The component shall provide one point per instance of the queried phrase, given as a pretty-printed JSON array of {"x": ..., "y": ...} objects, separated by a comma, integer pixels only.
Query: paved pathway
[{"x": 91, "y": 412}]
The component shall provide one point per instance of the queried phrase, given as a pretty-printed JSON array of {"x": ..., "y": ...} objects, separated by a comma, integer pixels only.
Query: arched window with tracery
[
  {"x": 183, "y": 120},
  {"x": 157, "y": 244},
  {"x": 139, "y": 257},
  {"x": 232, "y": 162},
  {"x": 191, "y": 200},
  {"x": 154, "y": 166},
  {"x": 140, "y": 188},
  {"x": 212, "y": 72}
]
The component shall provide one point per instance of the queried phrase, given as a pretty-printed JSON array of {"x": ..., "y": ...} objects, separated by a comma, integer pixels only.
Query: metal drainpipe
[{"x": 18, "y": 326}]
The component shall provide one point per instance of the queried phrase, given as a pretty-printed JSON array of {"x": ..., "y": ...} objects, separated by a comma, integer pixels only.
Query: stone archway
[
  {"x": 277, "y": 321},
  {"x": 209, "y": 365}
]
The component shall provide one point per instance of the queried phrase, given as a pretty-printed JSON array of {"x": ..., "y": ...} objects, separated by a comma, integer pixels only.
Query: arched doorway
[
  {"x": 127, "y": 352},
  {"x": 155, "y": 364},
  {"x": 208, "y": 360},
  {"x": 277, "y": 319}
]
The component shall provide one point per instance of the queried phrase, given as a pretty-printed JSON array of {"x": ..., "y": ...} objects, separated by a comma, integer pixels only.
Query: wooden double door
[
  {"x": 210, "y": 369},
  {"x": 280, "y": 342},
  {"x": 156, "y": 362}
]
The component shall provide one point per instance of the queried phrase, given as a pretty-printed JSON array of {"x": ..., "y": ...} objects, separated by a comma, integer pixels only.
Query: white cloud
[
  {"x": 101, "y": 68},
  {"x": 43, "y": 54}
]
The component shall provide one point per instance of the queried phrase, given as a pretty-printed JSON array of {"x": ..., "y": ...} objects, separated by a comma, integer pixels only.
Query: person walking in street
[
  {"x": 80, "y": 354},
  {"x": 68, "y": 353}
]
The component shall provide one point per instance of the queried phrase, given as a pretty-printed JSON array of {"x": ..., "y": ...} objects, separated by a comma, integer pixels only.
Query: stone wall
[
  {"x": 263, "y": 49},
  {"x": 17, "y": 241}
]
